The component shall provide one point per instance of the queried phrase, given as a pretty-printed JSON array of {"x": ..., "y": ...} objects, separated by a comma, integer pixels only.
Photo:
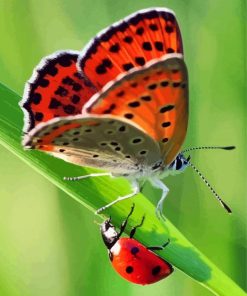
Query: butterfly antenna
[
  {"x": 208, "y": 148},
  {"x": 225, "y": 206}
]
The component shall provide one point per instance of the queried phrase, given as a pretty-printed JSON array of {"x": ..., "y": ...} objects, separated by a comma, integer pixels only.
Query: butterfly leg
[
  {"x": 159, "y": 184},
  {"x": 87, "y": 176},
  {"x": 136, "y": 190}
]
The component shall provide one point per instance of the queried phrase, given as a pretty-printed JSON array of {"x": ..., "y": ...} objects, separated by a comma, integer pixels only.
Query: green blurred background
[{"x": 49, "y": 244}]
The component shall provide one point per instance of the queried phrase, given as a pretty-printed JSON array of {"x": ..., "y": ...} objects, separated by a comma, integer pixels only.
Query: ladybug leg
[
  {"x": 159, "y": 248},
  {"x": 133, "y": 230},
  {"x": 125, "y": 222}
]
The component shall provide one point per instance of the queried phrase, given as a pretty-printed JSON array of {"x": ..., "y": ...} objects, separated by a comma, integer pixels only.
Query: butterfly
[{"x": 120, "y": 105}]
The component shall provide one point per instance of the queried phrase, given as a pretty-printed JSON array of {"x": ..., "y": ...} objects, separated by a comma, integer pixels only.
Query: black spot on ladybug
[
  {"x": 134, "y": 250},
  {"x": 140, "y": 61},
  {"x": 75, "y": 99},
  {"x": 114, "y": 48},
  {"x": 129, "y": 269},
  {"x": 117, "y": 149},
  {"x": 54, "y": 104},
  {"x": 61, "y": 150},
  {"x": 156, "y": 270},
  {"x": 153, "y": 27},
  {"x": 127, "y": 66},
  {"x": 139, "y": 31},
  {"x": 159, "y": 45},
  {"x": 69, "y": 109},
  {"x": 36, "y": 98},
  {"x": 147, "y": 46},
  {"x": 128, "y": 39},
  {"x": 38, "y": 116},
  {"x": 61, "y": 91}
]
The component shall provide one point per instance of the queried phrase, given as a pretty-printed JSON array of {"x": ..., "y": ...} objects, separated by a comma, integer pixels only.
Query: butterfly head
[{"x": 179, "y": 164}]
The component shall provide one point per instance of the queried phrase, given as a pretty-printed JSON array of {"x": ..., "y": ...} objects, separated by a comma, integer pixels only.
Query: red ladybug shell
[{"x": 136, "y": 263}]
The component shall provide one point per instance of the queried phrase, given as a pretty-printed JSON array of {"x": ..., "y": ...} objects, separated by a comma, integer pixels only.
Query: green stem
[{"x": 93, "y": 193}]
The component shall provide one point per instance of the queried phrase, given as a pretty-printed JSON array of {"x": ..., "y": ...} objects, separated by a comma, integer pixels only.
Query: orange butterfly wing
[
  {"x": 56, "y": 89},
  {"x": 133, "y": 41},
  {"x": 153, "y": 98}
]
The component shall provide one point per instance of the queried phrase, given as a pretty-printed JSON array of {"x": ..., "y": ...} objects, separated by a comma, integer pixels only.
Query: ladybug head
[{"x": 109, "y": 234}]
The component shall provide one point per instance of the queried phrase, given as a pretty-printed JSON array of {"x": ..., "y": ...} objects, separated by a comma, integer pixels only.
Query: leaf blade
[{"x": 94, "y": 193}]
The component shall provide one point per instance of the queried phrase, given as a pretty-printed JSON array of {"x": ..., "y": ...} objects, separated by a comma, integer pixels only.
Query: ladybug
[{"x": 132, "y": 260}]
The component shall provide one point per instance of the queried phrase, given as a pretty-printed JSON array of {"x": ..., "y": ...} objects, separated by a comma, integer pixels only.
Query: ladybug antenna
[
  {"x": 209, "y": 148},
  {"x": 224, "y": 205}
]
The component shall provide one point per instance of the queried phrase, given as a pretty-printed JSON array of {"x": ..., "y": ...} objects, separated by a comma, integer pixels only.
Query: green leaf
[{"x": 96, "y": 192}]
